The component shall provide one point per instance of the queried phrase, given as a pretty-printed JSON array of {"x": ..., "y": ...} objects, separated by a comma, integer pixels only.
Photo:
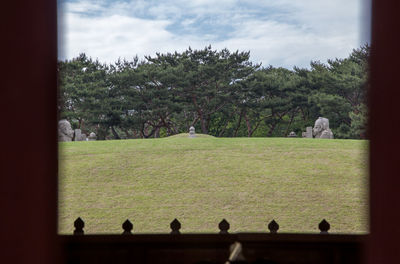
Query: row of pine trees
[{"x": 220, "y": 93}]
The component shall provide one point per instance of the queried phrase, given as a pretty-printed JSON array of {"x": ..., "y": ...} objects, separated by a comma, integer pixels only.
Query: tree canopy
[{"x": 220, "y": 93}]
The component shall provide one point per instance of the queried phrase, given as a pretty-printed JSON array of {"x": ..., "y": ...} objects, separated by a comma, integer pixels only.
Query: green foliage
[
  {"x": 86, "y": 97},
  {"x": 220, "y": 93},
  {"x": 359, "y": 119},
  {"x": 339, "y": 89}
]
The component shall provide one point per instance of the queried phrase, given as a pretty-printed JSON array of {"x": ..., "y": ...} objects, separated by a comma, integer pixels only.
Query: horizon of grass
[{"x": 200, "y": 181}]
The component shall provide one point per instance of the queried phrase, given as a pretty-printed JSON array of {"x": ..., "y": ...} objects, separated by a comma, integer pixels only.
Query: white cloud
[
  {"x": 108, "y": 38},
  {"x": 84, "y": 7},
  {"x": 280, "y": 32},
  {"x": 289, "y": 45}
]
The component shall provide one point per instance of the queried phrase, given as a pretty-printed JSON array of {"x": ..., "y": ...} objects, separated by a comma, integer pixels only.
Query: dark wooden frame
[
  {"x": 28, "y": 171},
  {"x": 214, "y": 248}
]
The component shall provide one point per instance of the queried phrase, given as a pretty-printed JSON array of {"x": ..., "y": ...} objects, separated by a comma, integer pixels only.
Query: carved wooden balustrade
[{"x": 223, "y": 247}]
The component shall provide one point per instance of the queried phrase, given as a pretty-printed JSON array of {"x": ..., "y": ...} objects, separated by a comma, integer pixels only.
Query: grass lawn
[{"x": 200, "y": 181}]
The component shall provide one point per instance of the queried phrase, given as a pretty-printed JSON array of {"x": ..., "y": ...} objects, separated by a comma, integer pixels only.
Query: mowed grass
[{"x": 200, "y": 181}]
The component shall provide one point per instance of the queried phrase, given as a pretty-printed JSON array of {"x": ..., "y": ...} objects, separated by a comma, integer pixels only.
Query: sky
[{"x": 281, "y": 33}]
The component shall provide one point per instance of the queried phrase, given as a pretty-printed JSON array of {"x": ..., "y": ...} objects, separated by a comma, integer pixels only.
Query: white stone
[
  {"x": 308, "y": 133},
  {"x": 92, "y": 136},
  {"x": 321, "y": 128},
  {"x": 65, "y": 132},
  {"x": 78, "y": 135},
  {"x": 192, "y": 132}
]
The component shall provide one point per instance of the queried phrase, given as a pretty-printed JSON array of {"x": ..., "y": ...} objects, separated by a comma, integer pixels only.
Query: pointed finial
[
  {"x": 79, "y": 225},
  {"x": 273, "y": 227},
  {"x": 127, "y": 226},
  {"x": 175, "y": 226},
  {"x": 223, "y": 227},
  {"x": 324, "y": 226}
]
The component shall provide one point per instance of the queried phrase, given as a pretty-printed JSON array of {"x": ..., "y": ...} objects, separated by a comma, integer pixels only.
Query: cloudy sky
[{"x": 282, "y": 33}]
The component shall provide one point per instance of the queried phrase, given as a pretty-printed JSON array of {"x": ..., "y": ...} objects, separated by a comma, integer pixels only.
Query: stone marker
[
  {"x": 308, "y": 133},
  {"x": 92, "y": 136},
  {"x": 192, "y": 132},
  {"x": 78, "y": 135},
  {"x": 65, "y": 132},
  {"x": 321, "y": 128},
  {"x": 292, "y": 134}
]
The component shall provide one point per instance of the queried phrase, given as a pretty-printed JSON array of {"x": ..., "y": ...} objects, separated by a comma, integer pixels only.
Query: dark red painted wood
[
  {"x": 28, "y": 139},
  {"x": 384, "y": 105},
  {"x": 28, "y": 182}
]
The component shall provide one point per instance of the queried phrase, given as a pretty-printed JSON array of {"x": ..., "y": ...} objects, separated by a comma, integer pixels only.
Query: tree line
[{"x": 219, "y": 92}]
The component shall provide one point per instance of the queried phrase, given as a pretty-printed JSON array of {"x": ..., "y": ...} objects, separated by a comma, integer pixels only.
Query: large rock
[
  {"x": 65, "y": 132},
  {"x": 321, "y": 128}
]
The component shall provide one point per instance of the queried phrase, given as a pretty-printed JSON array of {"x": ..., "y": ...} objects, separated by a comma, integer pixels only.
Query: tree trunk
[
  {"x": 203, "y": 124},
  {"x": 116, "y": 136},
  {"x": 145, "y": 131},
  {"x": 101, "y": 132},
  {"x": 128, "y": 135},
  {"x": 223, "y": 129},
  {"x": 157, "y": 133},
  {"x": 248, "y": 125},
  {"x": 226, "y": 124},
  {"x": 303, "y": 114},
  {"x": 288, "y": 126},
  {"x": 271, "y": 129},
  {"x": 238, "y": 125},
  {"x": 174, "y": 128},
  {"x": 255, "y": 128}
]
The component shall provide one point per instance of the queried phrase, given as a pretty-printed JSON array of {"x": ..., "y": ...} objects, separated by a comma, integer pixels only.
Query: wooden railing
[
  {"x": 175, "y": 225},
  {"x": 269, "y": 247}
]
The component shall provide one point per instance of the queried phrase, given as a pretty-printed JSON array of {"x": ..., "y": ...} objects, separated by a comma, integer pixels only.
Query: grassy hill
[{"x": 200, "y": 181}]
